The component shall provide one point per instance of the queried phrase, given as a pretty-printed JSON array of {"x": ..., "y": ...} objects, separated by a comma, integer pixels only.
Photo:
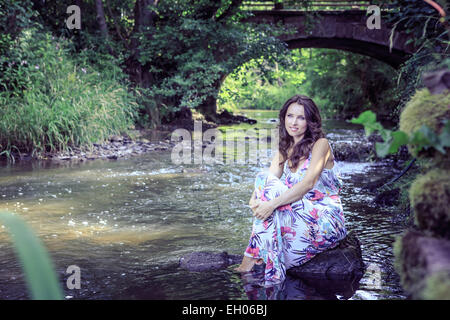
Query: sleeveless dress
[{"x": 296, "y": 232}]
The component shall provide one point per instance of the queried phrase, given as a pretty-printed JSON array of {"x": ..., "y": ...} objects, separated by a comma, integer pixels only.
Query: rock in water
[
  {"x": 341, "y": 263},
  {"x": 207, "y": 260}
]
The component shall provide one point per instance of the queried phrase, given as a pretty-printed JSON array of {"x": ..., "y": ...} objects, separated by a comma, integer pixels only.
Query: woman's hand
[
  {"x": 253, "y": 204},
  {"x": 263, "y": 210}
]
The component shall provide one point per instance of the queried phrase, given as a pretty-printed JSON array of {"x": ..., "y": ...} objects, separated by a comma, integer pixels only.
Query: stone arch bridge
[{"x": 335, "y": 27}]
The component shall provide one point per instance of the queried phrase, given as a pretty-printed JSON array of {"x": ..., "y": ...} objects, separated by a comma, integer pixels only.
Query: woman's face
[{"x": 295, "y": 121}]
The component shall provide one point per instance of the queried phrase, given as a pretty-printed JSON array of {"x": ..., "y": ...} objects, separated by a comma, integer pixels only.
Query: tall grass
[{"x": 52, "y": 101}]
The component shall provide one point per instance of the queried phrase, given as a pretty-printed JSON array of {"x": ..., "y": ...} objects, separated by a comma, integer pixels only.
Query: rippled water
[{"x": 126, "y": 222}]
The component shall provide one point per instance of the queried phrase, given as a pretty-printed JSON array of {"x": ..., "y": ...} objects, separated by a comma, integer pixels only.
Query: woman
[{"x": 300, "y": 215}]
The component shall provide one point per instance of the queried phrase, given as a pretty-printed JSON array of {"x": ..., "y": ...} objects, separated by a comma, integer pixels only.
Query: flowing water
[{"x": 126, "y": 223}]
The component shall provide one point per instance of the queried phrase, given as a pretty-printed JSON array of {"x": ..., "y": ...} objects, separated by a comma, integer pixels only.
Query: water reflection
[{"x": 299, "y": 289}]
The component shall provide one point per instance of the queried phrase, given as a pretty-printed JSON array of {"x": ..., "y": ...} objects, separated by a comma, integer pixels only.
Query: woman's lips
[{"x": 293, "y": 129}]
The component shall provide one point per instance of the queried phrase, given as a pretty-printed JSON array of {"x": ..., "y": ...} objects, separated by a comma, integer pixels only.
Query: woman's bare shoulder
[{"x": 321, "y": 143}]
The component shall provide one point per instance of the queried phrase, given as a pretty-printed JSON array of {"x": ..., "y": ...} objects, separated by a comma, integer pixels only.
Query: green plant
[
  {"x": 54, "y": 102},
  {"x": 423, "y": 138},
  {"x": 341, "y": 83},
  {"x": 37, "y": 266},
  {"x": 428, "y": 39}
]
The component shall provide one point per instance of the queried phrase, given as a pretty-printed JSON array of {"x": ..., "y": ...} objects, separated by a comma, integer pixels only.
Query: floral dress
[{"x": 296, "y": 232}]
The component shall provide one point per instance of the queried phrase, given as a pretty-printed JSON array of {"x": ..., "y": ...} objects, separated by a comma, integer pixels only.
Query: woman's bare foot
[{"x": 247, "y": 264}]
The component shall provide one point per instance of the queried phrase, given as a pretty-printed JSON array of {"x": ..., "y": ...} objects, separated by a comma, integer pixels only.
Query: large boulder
[
  {"x": 354, "y": 151},
  {"x": 207, "y": 260},
  {"x": 340, "y": 263},
  {"x": 427, "y": 109},
  {"x": 430, "y": 196},
  {"x": 423, "y": 263},
  {"x": 438, "y": 81}
]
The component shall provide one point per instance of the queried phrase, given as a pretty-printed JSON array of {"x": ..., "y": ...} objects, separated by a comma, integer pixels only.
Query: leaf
[
  {"x": 39, "y": 273},
  {"x": 368, "y": 120},
  {"x": 423, "y": 138},
  {"x": 382, "y": 148},
  {"x": 399, "y": 138},
  {"x": 366, "y": 117}
]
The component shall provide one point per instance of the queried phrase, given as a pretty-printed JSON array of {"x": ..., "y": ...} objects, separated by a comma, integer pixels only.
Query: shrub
[{"x": 52, "y": 101}]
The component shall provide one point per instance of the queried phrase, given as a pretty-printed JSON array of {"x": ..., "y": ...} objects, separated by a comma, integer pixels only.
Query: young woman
[{"x": 300, "y": 215}]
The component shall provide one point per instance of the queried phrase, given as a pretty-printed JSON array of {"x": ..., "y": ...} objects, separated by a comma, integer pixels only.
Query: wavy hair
[{"x": 313, "y": 131}]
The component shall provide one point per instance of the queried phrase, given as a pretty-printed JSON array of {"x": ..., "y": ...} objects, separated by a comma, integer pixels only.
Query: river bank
[
  {"x": 349, "y": 144},
  {"x": 142, "y": 141}
]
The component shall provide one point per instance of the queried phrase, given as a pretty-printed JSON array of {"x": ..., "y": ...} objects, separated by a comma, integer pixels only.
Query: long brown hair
[{"x": 313, "y": 130}]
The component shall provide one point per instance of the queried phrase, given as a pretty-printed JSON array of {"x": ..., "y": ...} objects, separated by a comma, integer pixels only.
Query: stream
[{"x": 126, "y": 222}]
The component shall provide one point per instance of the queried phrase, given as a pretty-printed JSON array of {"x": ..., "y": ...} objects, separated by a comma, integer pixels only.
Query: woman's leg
[
  {"x": 247, "y": 264},
  {"x": 265, "y": 240}
]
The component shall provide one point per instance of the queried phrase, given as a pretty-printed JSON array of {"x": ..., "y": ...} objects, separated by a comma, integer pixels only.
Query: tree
[{"x": 176, "y": 52}]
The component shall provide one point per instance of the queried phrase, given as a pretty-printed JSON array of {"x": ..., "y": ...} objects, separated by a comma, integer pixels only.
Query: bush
[{"x": 52, "y": 101}]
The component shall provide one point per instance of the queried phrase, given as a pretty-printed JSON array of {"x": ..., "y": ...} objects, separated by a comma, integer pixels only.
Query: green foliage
[
  {"x": 259, "y": 85},
  {"x": 429, "y": 38},
  {"x": 189, "y": 53},
  {"x": 350, "y": 83},
  {"x": 437, "y": 286},
  {"x": 423, "y": 138},
  {"x": 429, "y": 113},
  {"x": 52, "y": 101},
  {"x": 430, "y": 195},
  {"x": 37, "y": 266},
  {"x": 14, "y": 16},
  {"x": 341, "y": 83}
]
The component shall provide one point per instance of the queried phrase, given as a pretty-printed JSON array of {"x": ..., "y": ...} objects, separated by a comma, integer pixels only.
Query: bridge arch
[{"x": 343, "y": 30}]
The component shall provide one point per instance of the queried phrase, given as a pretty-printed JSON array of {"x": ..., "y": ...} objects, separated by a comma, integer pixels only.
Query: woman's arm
[
  {"x": 252, "y": 199},
  {"x": 320, "y": 153},
  {"x": 276, "y": 169}
]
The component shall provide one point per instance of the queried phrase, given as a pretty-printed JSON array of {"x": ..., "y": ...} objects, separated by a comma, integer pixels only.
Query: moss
[
  {"x": 398, "y": 257},
  {"x": 416, "y": 275},
  {"x": 430, "y": 195},
  {"x": 437, "y": 286},
  {"x": 408, "y": 262},
  {"x": 425, "y": 108}
]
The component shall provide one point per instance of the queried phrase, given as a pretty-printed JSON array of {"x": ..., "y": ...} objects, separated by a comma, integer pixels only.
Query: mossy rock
[
  {"x": 437, "y": 287},
  {"x": 425, "y": 109},
  {"x": 430, "y": 196},
  {"x": 423, "y": 263}
]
